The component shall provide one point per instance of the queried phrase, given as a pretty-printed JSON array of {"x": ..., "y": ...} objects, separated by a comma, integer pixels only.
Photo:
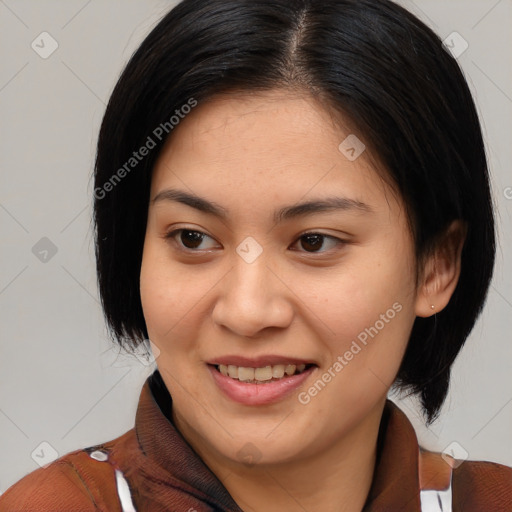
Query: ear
[{"x": 440, "y": 271}]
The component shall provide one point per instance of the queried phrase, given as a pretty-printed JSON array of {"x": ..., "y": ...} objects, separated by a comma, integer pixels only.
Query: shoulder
[
  {"x": 76, "y": 481},
  {"x": 482, "y": 485},
  {"x": 476, "y": 485},
  {"x": 58, "y": 486}
]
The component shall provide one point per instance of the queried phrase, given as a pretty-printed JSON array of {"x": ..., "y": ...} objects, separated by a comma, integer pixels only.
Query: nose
[{"x": 252, "y": 297}]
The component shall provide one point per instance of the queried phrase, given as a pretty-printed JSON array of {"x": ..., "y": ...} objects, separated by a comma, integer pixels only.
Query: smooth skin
[{"x": 252, "y": 154}]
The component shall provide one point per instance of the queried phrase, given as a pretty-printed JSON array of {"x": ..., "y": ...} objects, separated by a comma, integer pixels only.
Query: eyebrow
[{"x": 288, "y": 212}]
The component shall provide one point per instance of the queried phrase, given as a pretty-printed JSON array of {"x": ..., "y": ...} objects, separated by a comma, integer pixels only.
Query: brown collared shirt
[{"x": 151, "y": 468}]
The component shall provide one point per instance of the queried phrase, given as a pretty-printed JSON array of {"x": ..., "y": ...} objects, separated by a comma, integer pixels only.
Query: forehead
[
  {"x": 281, "y": 142},
  {"x": 225, "y": 121}
]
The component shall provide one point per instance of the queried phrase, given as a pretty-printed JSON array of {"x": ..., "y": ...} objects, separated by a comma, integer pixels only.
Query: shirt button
[{"x": 99, "y": 455}]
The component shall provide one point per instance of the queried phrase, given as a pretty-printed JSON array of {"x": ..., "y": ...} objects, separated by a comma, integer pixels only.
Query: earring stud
[{"x": 432, "y": 306}]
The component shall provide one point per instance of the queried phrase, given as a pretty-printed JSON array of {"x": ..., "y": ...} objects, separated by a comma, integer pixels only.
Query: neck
[{"x": 335, "y": 480}]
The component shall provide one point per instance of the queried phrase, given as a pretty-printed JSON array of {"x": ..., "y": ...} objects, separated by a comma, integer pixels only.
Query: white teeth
[
  {"x": 290, "y": 369},
  {"x": 245, "y": 373},
  {"x": 264, "y": 374},
  {"x": 278, "y": 371}
]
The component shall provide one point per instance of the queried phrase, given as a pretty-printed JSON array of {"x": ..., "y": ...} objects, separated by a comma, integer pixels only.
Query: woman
[{"x": 292, "y": 203}]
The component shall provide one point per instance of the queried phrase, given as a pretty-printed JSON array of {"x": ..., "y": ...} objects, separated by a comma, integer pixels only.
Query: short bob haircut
[{"x": 369, "y": 61}]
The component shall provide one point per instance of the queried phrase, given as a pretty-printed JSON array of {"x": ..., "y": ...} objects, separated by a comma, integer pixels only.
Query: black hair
[{"x": 371, "y": 61}]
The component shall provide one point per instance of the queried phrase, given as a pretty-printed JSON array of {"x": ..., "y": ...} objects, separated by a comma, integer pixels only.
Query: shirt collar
[{"x": 395, "y": 484}]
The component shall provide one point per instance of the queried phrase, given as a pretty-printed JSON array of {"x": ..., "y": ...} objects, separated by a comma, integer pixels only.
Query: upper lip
[{"x": 257, "y": 362}]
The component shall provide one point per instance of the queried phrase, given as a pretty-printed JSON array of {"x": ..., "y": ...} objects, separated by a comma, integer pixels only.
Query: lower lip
[{"x": 259, "y": 394}]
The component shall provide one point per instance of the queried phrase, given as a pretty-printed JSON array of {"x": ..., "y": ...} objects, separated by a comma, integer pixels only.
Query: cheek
[
  {"x": 161, "y": 292},
  {"x": 368, "y": 308},
  {"x": 359, "y": 297},
  {"x": 173, "y": 295}
]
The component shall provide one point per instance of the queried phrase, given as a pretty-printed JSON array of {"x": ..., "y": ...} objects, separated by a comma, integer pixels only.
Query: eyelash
[{"x": 172, "y": 235}]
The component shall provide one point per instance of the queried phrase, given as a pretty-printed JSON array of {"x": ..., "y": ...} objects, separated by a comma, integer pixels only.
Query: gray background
[{"x": 61, "y": 380}]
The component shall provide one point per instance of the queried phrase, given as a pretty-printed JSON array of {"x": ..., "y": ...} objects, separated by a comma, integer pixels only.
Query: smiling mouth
[{"x": 263, "y": 375}]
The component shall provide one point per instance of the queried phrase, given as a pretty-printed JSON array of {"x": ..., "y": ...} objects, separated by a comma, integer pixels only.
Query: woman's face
[{"x": 261, "y": 285}]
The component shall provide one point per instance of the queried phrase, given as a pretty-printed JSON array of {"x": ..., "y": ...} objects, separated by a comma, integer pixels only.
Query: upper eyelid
[
  {"x": 173, "y": 232},
  {"x": 308, "y": 232}
]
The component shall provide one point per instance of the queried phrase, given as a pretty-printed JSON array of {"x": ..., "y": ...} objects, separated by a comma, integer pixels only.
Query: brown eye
[
  {"x": 313, "y": 242},
  {"x": 189, "y": 238}
]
